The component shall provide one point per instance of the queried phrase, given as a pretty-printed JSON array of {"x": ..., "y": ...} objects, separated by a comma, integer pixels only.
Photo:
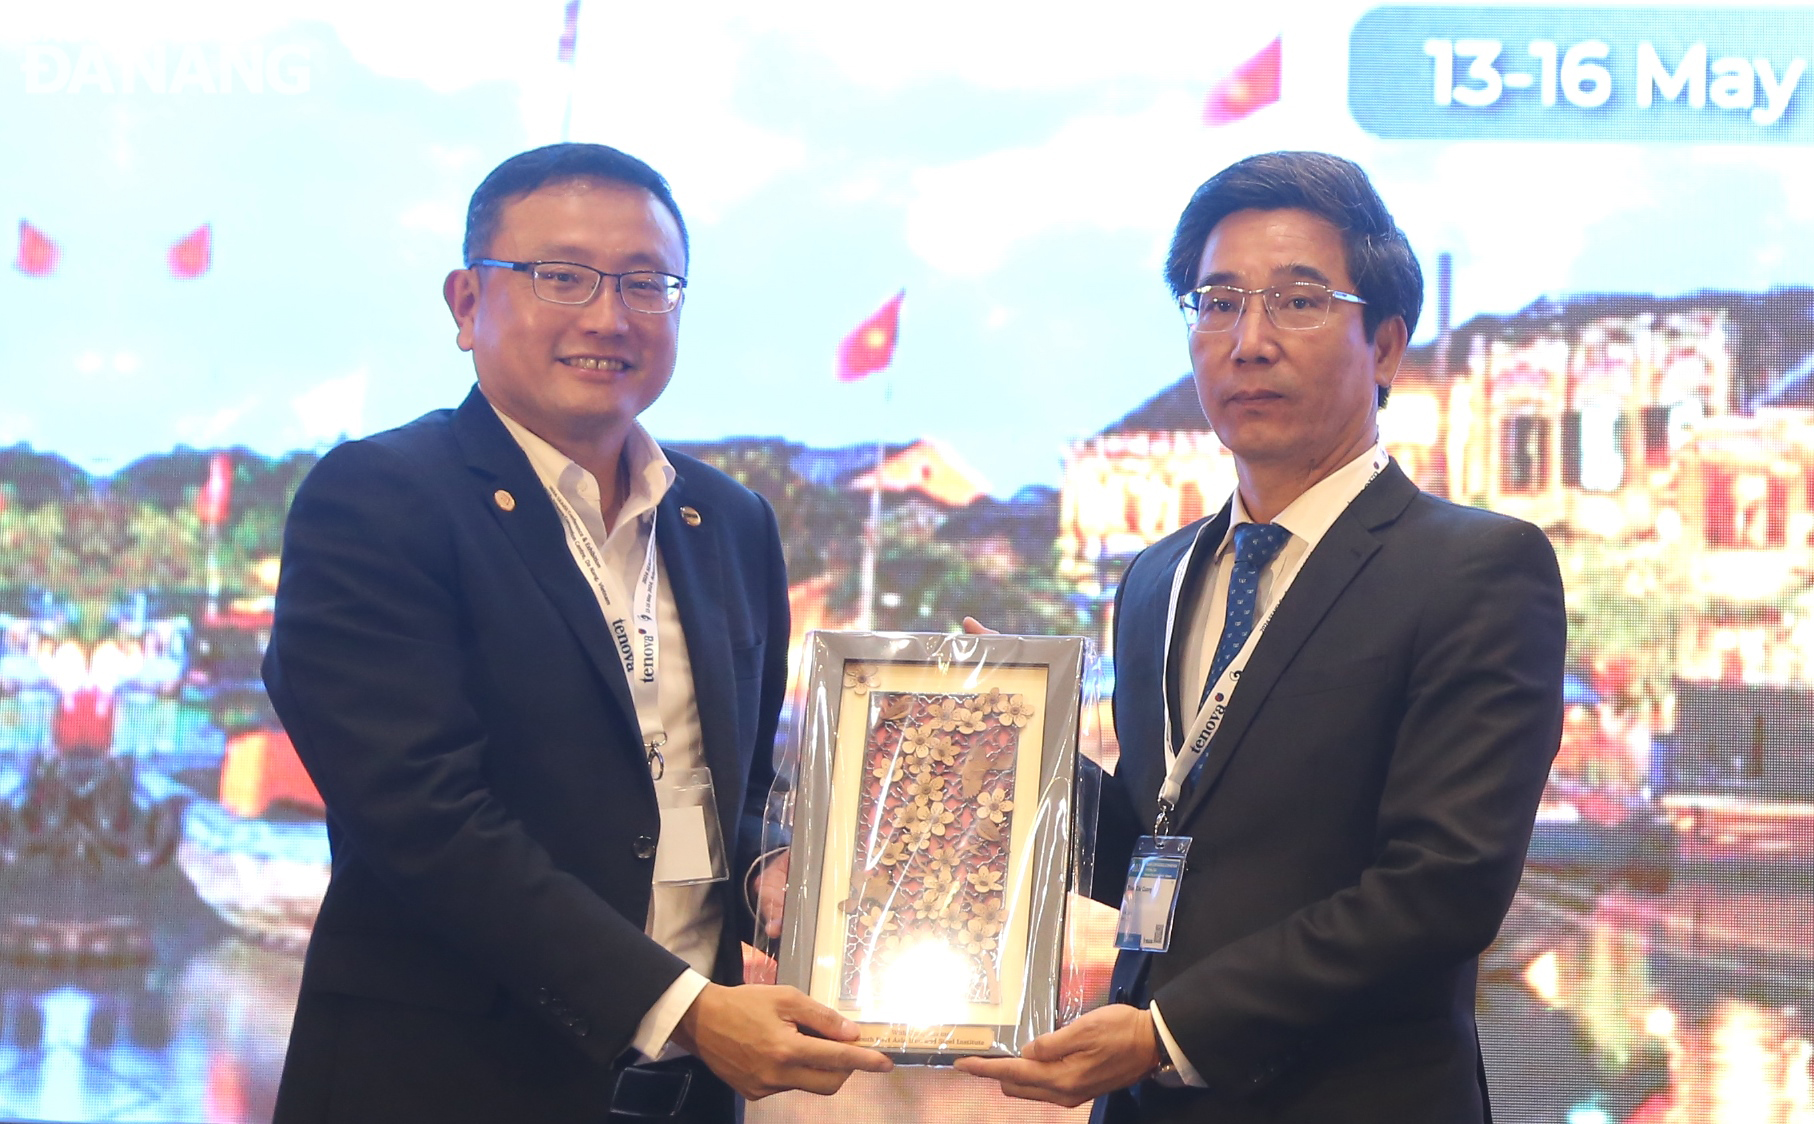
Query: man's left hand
[
  {"x": 1107, "y": 1049},
  {"x": 771, "y": 893}
]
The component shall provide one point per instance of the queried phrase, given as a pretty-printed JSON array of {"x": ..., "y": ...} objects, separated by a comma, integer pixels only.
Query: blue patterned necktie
[{"x": 1255, "y": 545}]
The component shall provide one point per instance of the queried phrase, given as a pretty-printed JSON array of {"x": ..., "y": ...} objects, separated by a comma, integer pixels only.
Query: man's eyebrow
[
  {"x": 1295, "y": 269},
  {"x": 577, "y": 255},
  {"x": 1308, "y": 273}
]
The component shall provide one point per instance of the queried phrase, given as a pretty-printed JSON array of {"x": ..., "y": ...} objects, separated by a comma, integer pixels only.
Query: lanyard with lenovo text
[
  {"x": 639, "y": 656},
  {"x": 1215, "y": 701},
  {"x": 1214, "y": 706}
]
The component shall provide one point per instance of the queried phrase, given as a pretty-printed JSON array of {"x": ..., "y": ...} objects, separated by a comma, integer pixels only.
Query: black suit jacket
[
  {"x": 448, "y": 680},
  {"x": 1360, "y": 822}
]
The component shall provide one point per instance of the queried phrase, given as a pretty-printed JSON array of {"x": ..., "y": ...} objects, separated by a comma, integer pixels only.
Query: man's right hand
[{"x": 751, "y": 1037}]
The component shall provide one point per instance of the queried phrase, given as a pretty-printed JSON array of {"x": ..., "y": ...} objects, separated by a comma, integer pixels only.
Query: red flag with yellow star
[
  {"x": 1247, "y": 88},
  {"x": 191, "y": 256},
  {"x": 569, "y": 32},
  {"x": 37, "y": 253},
  {"x": 214, "y": 497},
  {"x": 871, "y": 347}
]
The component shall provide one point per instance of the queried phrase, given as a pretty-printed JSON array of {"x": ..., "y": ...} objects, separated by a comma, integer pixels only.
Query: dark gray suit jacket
[
  {"x": 449, "y": 682},
  {"x": 1360, "y": 823}
]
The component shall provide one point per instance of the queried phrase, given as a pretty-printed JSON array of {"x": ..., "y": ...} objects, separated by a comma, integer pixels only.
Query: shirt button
[{"x": 644, "y": 846}]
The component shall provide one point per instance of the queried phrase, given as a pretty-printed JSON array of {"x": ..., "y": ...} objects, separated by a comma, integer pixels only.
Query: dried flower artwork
[{"x": 933, "y": 831}]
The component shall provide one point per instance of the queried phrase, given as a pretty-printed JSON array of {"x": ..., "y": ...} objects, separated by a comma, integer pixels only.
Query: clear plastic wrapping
[{"x": 933, "y": 825}]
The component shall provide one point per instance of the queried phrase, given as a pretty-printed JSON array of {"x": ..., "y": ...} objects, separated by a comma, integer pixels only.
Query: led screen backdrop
[{"x": 939, "y": 234}]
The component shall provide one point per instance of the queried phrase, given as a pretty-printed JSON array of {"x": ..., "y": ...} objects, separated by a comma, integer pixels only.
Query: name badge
[
  {"x": 691, "y": 849},
  {"x": 1147, "y": 908}
]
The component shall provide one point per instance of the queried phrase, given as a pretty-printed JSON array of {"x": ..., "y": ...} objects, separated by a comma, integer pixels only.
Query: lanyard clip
[
  {"x": 1163, "y": 824},
  {"x": 658, "y": 765}
]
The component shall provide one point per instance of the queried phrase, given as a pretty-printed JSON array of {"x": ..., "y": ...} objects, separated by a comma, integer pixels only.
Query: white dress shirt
[
  {"x": 685, "y": 920},
  {"x": 1308, "y": 518}
]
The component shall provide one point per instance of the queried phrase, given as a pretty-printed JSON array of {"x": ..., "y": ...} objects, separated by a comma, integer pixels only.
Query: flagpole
[
  {"x": 211, "y": 609},
  {"x": 567, "y": 114},
  {"x": 568, "y": 50},
  {"x": 872, "y": 527},
  {"x": 864, "y": 352}
]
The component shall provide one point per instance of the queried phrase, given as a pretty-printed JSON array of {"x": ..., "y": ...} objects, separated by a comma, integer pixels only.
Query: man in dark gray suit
[
  {"x": 534, "y": 663},
  {"x": 1340, "y": 694}
]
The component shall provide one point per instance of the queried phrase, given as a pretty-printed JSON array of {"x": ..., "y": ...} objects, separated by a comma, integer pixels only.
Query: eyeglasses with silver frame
[
  {"x": 1296, "y": 307},
  {"x": 565, "y": 282}
]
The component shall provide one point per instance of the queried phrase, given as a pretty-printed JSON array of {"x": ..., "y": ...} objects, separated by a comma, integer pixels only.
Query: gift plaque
[{"x": 932, "y": 839}]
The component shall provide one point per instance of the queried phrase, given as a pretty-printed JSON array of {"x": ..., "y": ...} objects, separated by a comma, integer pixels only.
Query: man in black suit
[
  {"x": 1342, "y": 694},
  {"x": 534, "y": 664}
]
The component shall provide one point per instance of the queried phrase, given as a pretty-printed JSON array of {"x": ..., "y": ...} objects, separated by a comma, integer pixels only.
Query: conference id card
[
  {"x": 1147, "y": 908},
  {"x": 692, "y": 846}
]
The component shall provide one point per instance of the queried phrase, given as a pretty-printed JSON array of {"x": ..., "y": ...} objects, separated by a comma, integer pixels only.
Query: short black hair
[
  {"x": 558, "y": 163},
  {"x": 1379, "y": 257}
]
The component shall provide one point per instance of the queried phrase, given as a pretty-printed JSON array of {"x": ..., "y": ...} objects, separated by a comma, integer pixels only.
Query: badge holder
[
  {"x": 692, "y": 844},
  {"x": 1151, "y": 900}
]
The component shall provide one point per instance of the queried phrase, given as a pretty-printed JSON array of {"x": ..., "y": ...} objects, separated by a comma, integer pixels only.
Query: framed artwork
[{"x": 933, "y": 836}]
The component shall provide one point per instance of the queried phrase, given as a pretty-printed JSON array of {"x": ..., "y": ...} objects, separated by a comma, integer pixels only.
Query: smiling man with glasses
[
  {"x": 534, "y": 663},
  {"x": 565, "y": 282},
  {"x": 1337, "y": 702}
]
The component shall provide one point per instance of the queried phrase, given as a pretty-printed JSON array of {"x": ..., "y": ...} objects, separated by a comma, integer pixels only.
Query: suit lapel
[
  {"x": 498, "y": 462},
  {"x": 1340, "y": 556},
  {"x": 1143, "y": 602},
  {"x": 1202, "y": 559},
  {"x": 690, "y": 556}
]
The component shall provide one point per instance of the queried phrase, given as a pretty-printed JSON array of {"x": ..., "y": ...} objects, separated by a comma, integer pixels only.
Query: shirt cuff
[
  {"x": 1185, "y": 1070},
  {"x": 657, "y": 1027}
]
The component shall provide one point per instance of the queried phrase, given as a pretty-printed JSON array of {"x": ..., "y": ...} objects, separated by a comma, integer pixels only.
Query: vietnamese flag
[
  {"x": 871, "y": 347},
  {"x": 37, "y": 253},
  {"x": 191, "y": 257},
  {"x": 212, "y": 500},
  {"x": 569, "y": 32},
  {"x": 1246, "y": 89}
]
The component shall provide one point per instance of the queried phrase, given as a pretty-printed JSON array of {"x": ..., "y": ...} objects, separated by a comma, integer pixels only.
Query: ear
[
  {"x": 1389, "y": 344},
  {"x": 461, "y": 291}
]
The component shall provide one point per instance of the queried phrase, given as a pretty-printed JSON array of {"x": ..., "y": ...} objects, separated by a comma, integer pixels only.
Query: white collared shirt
[
  {"x": 1308, "y": 518},
  {"x": 685, "y": 920}
]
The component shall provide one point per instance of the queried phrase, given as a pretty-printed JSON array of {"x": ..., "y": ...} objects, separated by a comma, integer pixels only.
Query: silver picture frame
[{"x": 933, "y": 842}]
